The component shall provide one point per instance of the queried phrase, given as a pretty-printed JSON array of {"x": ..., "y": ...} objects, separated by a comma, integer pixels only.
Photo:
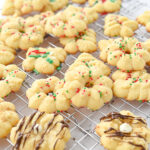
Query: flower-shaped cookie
[
  {"x": 144, "y": 19},
  {"x": 85, "y": 85},
  {"x": 39, "y": 18},
  {"x": 61, "y": 28},
  {"x": 11, "y": 79},
  {"x": 23, "y": 7},
  {"x": 87, "y": 14},
  {"x": 8, "y": 117},
  {"x": 7, "y": 54},
  {"x": 127, "y": 54},
  {"x": 29, "y": 21},
  {"x": 40, "y": 131},
  {"x": 71, "y": 21},
  {"x": 132, "y": 86},
  {"x": 123, "y": 131},
  {"x": 105, "y": 6},
  {"x": 17, "y": 33},
  {"x": 44, "y": 60},
  {"x": 83, "y": 42},
  {"x": 116, "y": 25}
]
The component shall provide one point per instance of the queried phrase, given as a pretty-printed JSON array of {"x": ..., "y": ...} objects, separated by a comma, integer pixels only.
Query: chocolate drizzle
[
  {"x": 137, "y": 145},
  {"x": 116, "y": 115},
  {"x": 114, "y": 133},
  {"x": 20, "y": 125},
  {"x": 24, "y": 124},
  {"x": 19, "y": 139},
  {"x": 64, "y": 125}
]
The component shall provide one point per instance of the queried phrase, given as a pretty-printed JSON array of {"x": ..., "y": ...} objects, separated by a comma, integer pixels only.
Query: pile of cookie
[{"x": 88, "y": 82}]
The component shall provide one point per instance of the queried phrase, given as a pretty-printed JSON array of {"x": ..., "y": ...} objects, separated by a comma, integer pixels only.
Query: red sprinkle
[
  {"x": 78, "y": 90},
  {"x": 37, "y": 52},
  {"x": 103, "y": 1}
]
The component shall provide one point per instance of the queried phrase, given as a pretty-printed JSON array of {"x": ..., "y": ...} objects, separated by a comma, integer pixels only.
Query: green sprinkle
[
  {"x": 54, "y": 94},
  {"x": 100, "y": 94},
  {"x": 52, "y": 0},
  {"x": 67, "y": 91},
  {"x": 87, "y": 64},
  {"x": 35, "y": 56},
  {"x": 49, "y": 60},
  {"x": 140, "y": 101},
  {"x": 36, "y": 71},
  {"x": 96, "y": 2},
  {"x": 130, "y": 56},
  {"x": 58, "y": 68},
  {"x": 113, "y": 1},
  {"x": 45, "y": 55},
  {"x": 58, "y": 110}
]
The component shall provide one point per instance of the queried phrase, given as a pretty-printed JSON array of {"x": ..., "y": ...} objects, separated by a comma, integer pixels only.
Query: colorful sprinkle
[
  {"x": 49, "y": 60},
  {"x": 36, "y": 72}
]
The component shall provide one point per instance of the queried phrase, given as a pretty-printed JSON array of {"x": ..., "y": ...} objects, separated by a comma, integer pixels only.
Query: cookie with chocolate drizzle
[
  {"x": 40, "y": 131},
  {"x": 123, "y": 131}
]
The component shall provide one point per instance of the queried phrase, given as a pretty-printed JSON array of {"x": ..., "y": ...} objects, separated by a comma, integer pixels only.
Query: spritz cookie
[
  {"x": 116, "y": 25},
  {"x": 55, "y": 5},
  {"x": 7, "y": 54},
  {"x": 85, "y": 85},
  {"x": 83, "y": 42},
  {"x": 8, "y": 117},
  {"x": 40, "y": 131},
  {"x": 29, "y": 21},
  {"x": 87, "y": 14},
  {"x": 42, "y": 96},
  {"x": 105, "y": 6},
  {"x": 18, "y": 33},
  {"x": 62, "y": 28},
  {"x": 39, "y": 18},
  {"x": 144, "y": 19},
  {"x": 44, "y": 60},
  {"x": 118, "y": 74},
  {"x": 23, "y": 7},
  {"x": 11, "y": 79},
  {"x": 70, "y": 22},
  {"x": 132, "y": 86},
  {"x": 123, "y": 131},
  {"x": 128, "y": 54}
]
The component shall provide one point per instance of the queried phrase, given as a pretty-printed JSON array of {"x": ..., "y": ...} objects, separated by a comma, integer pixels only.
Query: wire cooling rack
[{"x": 82, "y": 121}]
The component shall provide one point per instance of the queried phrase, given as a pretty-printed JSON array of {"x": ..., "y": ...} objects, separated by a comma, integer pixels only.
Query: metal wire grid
[{"x": 82, "y": 121}]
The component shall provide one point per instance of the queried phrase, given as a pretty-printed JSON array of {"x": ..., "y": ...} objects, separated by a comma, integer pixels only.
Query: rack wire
[{"x": 82, "y": 121}]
